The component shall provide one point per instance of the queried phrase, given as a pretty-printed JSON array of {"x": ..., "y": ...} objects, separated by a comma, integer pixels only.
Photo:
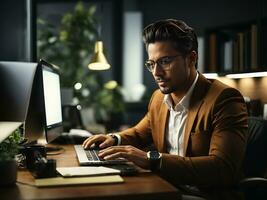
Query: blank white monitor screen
[
  {"x": 52, "y": 98},
  {"x": 44, "y": 117}
]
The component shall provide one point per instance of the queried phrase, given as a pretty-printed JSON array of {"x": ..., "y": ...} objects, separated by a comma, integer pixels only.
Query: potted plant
[{"x": 8, "y": 166}]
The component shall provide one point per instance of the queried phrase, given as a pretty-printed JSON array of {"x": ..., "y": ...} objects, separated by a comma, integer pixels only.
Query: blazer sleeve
[
  {"x": 140, "y": 135},
  {"x": 222, "y": 165}
]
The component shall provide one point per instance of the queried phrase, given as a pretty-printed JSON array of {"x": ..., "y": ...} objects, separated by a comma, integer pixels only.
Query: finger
[
  {"x": 111, "y": 150},
  {"x": 86, "y": 141},
  {"x": 121, "y": 147},
  {"x": 106, "y": 150},
  {"x": 92, "y": 140},
  {"x": 106, "y": 143},
  {"x": 116, "y": 155}
]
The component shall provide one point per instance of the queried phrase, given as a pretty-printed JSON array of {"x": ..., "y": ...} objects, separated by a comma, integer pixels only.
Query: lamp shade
[{"x": 99, "y": 61}]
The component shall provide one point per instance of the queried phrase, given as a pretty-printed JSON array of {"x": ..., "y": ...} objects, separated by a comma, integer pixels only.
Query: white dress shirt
[{"x": 177, "y": 120}]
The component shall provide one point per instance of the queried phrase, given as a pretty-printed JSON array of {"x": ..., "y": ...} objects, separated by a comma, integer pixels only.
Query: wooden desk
[{"x": 143, "y": 186}]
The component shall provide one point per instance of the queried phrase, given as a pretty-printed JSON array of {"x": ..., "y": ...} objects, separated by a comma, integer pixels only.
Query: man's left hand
[{"x": 128, "y": 152}]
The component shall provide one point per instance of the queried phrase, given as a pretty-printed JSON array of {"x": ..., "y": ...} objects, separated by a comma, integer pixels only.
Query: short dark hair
[{"x": 182, "y": 36}]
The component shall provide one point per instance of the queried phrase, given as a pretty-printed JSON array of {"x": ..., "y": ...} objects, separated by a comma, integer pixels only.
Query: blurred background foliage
[{"x": 70, "y": 46}]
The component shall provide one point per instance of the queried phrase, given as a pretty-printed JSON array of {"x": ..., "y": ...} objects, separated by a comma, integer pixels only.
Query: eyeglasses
[{"x": 164, "y": 63}]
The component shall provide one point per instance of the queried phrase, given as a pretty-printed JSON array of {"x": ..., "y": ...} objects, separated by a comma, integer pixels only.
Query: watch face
[
  {"x": 154, "y": 158},
  {"x": 154, "y": 155}
]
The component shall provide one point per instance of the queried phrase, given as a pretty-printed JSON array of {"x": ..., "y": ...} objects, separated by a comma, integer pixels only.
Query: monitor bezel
[
  {"x": 35, "y": 126},
  {"x": 54, "y": 130}
]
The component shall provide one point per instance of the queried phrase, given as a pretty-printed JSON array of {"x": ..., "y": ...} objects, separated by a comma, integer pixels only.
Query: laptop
[
  {"x": 6, "y": 128},
  {"x": 90, "y": 157}
]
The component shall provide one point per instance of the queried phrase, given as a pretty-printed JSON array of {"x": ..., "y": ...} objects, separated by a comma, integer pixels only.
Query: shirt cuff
[{"x": 119, "y": 138}]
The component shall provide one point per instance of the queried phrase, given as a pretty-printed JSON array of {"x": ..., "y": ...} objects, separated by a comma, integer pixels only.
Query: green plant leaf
[{"x": 9, "y": 147}]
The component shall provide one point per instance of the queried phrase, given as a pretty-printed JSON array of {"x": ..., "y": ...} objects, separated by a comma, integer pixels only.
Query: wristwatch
[
  {"x": 115, "y": 138},
  {"x": 154, "y": 158}
]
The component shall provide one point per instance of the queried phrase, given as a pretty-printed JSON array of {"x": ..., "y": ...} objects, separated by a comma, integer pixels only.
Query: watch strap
[
  {"x": 154, "y": 158},
  {"x": 115, "y": 138}
]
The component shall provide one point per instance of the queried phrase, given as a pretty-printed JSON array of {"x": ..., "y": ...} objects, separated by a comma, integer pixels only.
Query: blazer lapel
[
  {"x": 196, "y": 101},
  {"x": 163, "y": 115},
  {"x": 190, "y": 121}
]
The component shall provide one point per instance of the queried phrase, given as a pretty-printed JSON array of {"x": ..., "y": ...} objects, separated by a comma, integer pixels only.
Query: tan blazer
[{"x": 215, "y": 136}]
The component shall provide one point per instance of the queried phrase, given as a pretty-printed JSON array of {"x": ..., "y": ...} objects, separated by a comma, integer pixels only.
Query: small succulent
[{"x": 10, "y": 146}]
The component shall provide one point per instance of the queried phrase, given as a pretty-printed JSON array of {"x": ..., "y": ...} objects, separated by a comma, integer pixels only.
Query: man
[{"x": 197, "y": 126}]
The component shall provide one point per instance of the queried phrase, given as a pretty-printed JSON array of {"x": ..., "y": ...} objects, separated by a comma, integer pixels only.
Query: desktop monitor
[
  {"x": 16, "y": 79},
  {"x": 30, "y": 93},
  {"x": 15, "y": 88},
  {"x": 44, "y": 118}
]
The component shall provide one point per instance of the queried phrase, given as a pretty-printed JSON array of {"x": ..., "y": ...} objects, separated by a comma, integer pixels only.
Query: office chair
[{"x": 254, "y": 185}]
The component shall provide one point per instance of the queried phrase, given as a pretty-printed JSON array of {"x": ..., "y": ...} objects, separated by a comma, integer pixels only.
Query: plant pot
[{"x": 8, "y": 173}]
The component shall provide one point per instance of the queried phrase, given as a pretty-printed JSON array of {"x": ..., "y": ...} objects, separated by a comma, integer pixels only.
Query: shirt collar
[{"x": 184, "y": 102}]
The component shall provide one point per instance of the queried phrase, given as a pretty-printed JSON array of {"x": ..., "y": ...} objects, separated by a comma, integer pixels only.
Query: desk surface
[{"x": 142, "y": 186}]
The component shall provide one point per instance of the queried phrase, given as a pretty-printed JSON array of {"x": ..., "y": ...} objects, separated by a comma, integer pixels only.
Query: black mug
[{"x": 34, "y": 153}]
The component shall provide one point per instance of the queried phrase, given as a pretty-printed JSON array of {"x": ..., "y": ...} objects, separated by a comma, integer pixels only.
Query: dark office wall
[
  {"x": 13, "y": 30},
  {"x": 199, "y": 14}
]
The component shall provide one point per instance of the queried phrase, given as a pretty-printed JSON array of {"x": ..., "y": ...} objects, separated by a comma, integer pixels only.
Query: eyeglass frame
[{"x": 166, "y": 68}]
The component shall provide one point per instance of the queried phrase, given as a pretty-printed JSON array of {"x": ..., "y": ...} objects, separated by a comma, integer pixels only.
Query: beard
[
  {"x": 166, "y": 90},
  {"x": 170, "y": 87}
]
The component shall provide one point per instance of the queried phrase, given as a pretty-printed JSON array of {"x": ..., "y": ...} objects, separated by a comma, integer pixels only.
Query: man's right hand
[{"x": 102, "y": 140}]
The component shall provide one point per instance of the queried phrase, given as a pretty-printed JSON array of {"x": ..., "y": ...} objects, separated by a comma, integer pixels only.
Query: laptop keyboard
[{"x": 92, "y": 155}]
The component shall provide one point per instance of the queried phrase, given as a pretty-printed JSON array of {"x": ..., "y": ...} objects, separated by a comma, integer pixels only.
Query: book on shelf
[
  {"x": 201, "y": 54},
  {"x": 233, "y": 49},
  {"x": 254, "y": 47},
  {"x": 247, "y": 50},
  {"x": 212, "y": 53},
  {"x": 228, "y": 56},
  {"x": 235, "y": 56},
  {"x": 240, "y": 42}
]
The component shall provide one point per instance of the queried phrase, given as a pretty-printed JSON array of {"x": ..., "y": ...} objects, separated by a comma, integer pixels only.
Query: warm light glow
[
  {"x": 211, "y": 75},
  {"x": 79, "y": 107},
  {"x": 98, "y": 66},
  {"x": 248, "y": 86},
  {"x": 263, "y": 82},
  {"x": 247, "y": 75},
  {"x": 247, "y": 83},
  {"x": 78, "y": 86},
  {"x": 228, "y": 81},
  {"x": 111, "y": 85},
  {"x": 99, "y": 61}
]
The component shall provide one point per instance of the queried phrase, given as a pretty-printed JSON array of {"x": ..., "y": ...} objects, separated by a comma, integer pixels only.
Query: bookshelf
[{"x": 236, "y": 48}]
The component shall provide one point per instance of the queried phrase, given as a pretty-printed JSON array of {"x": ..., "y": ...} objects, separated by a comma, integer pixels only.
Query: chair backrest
[{"x": 256, "y": 153}]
